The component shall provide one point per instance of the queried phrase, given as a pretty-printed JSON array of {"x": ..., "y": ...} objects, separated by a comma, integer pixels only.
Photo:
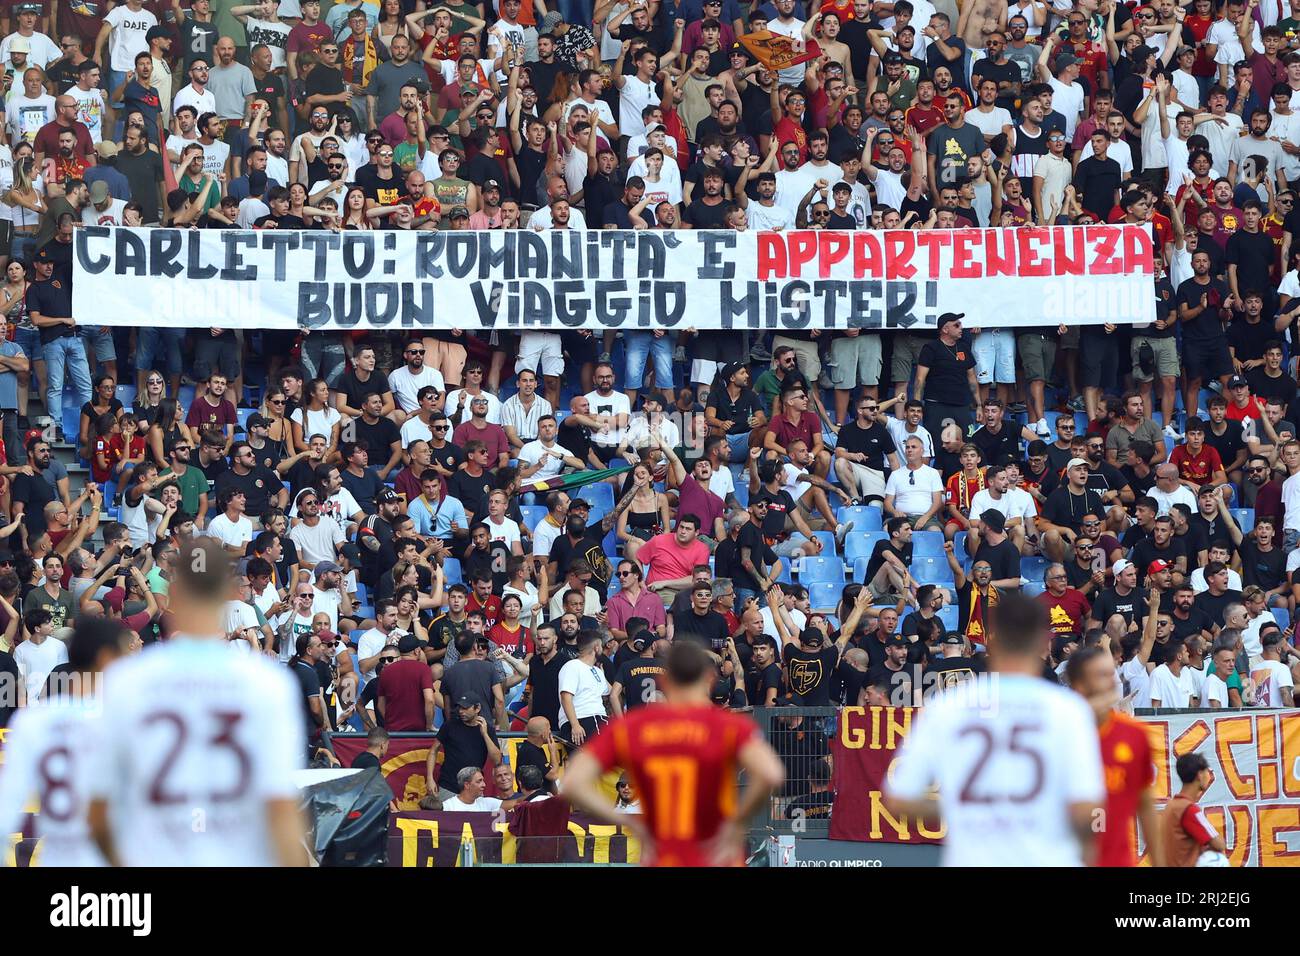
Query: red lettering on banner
[
  {"x": 866, "y": 256},
  {"x": 1276, "y": 822},
  {"x": 771, "y": 256},
  {"x": 900, "y": 246},
  {"x": 964, "y": 265},
  {"x": 832, "y": 247},
  {"x": 1289, "y": 725},
  {"x": 1031, "y": 265},
  {"x": 1067, "y": 247},
  {"x": 1266, "y": 750},
  {"x": 1138, "y": 252},
  {"x": 933, "y": 241},
  {"x": 1000, "y": 253},
  {"x": 803, "y": 247},
  {"x": 1104, "y": 240}
]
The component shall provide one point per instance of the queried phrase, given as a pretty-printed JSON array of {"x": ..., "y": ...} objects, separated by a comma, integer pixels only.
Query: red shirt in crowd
[
  {"x": 1253, "y": 408},
  {"x": 1067, "y": 612},
  {"x": 402, "y": 685},
  {"x": 1198, "y": 468}
]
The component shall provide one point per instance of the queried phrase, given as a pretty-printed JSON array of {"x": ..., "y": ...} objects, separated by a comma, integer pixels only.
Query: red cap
[{"x": 1156, "y": 566}]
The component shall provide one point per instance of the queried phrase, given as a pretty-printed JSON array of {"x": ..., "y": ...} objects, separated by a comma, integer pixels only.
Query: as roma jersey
[
  {"x": 1127, "y": 759},
  {"x": 960, "y": 490},
  {"x": 682, "y": 761}
]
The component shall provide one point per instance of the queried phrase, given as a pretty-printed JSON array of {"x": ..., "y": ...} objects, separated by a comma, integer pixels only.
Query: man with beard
[
  {"x": 306, "y": 145},
  {"x": 708, "y": 211},
  {"x": 334, "y": 186}
]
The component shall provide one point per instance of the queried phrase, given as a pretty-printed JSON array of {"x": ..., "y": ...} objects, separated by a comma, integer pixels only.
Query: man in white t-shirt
[
  {"x": 123, "y": 33},
  {"x": 609, "y": 407},
  {"x": 407, "y": 380},
  {"x": 1216, "y": 682},
  {"x": 230, "y": 526},
  {"x": 765, "y": 214},
  {"x": 195, "y": 93},
  {"x": 987, "y": 117},
  {"x": 1068, "y": 97},
  {"x": 543, "y": 457},
  {"x": 915, "y": 491},
  {"x": 45, "y": 652},
  {"x": 1172, "y": 684},
  {"x": 1019, "y": 784},
  {"x": 470, "y": 799},
  {"x": 583, "y": 690}
]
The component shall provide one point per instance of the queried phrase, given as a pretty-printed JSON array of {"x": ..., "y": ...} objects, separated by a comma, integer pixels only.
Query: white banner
[{"x": 598, "y": 279}]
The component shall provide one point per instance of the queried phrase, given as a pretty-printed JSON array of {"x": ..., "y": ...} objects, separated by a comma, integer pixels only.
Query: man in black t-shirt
[
  {"x": 809, "y": 666},
  {"x": 887, "y": 575},
  {"x": 763, "y": 678},
  {"x": 744, "y": 556},
  {"x": 708, "y": 210},
  {"x": 1063, "y": 513},
  {"x": 860, "y": 453},
  {"x": 894, "y": 672},
  {"x": 998, "y": 550},
  {"x": 734, "y": 410},
  {"x": 945, "y": 376},
  {"x": 466, "y": 740},
  {"x": 701, "y": 623},
  {"x": 1164, "y": 546},
  {"x": 639, "y": 679},
  {"x": 1123, "y": 599}
]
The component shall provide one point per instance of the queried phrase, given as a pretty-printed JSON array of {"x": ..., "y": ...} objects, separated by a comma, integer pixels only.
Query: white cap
[{"x": 1121, "y": 566}]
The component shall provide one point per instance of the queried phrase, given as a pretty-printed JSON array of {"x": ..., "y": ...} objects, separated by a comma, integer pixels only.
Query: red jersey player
[
  {"x": 1127, "y": 760},
  {"x": 683, "y": 757}
]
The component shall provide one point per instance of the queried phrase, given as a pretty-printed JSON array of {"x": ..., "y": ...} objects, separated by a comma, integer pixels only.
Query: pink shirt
[
  {"x": 648, "y": 605},
  {"x": 669, "y": 561},
  {"x": 494, "y": 436}
]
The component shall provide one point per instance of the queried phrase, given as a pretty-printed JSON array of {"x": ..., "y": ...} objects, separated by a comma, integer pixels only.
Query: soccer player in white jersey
[
  {"x": 49, "y": 747},
  {"x": 1016, "y": 758},
  {"x": 200, "y": 742}
]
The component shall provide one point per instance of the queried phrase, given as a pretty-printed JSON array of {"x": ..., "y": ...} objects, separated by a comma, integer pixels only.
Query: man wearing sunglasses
[{"x": 407, "y": 380}]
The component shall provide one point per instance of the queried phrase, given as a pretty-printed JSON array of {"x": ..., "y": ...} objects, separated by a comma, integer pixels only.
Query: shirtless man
[{"x": 979, "y": 18}]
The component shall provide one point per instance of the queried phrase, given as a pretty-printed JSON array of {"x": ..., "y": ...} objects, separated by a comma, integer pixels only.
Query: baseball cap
[
  {"x": 549, "y": 22},
  {"x": 490, "y": 184},
  {"x": 1121, "y": 566},
  {"x": 459, "y": 212},
  {"x": 99, "y": 192},
  {"x": 466, "y": 701},
  {"x": 994, "y": 520},
  {"x": 27, "y": 8},
  {"x": 106, "y": 148},
  {"x": 20, "y": 44},
  {"x": 1156, "y": 566},
  {"x": 949, "y": 317},
  {"x": 410, "y": 643},
  {"x": 1066, "y": 59},
  {"x": 386, "y": 496},
  {"x": 643, "y": 640},
  {"x": 325, "y": 567},
  {"x": 258, "y": 421},
  {"x": 953, "y": 638},
  {"x": 1074, "y": 462},
  {"x": 810, "y": 635},
  {"x": 895, "y": 640},
  {"x": 893, "y": 56},
  {"x": 351, "y": 552},
  {"x": 1237, "y": 382},
  {"x": 156, "y": 33}
]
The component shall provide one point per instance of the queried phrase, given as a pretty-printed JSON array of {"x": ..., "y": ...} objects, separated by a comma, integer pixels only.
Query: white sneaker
[
  {"x": 1043, "y": 429},
  {"x": 1172, "y": 432}
]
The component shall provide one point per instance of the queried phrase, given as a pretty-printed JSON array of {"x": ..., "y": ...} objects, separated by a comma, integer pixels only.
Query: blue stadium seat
[
  {"x": 861, "y": 545},
  {"x": 949, "y": 615},
  {"x": 864, "y": 517},
  {"x": 71, "y": 423},
  {"x": 931, "y": 570},
  {"x": 1282, "y": 616},
  {"x": 599, "y": 511},
  {"x": 1245, "y": 518},
  {"x": 186, "y": 396},
  {"x": 928, "y": 544},
  {"x": 742, "y": 493},
  {"x": 821, "y": 568},
  {"x": 824, "y": 595},
  {"x": 362, "y": 593},
  {"x": 600, "y": 495},
  {"x": 1033, "y": 589},
  {"x": 959, "y": 544},
  {"x": 827, "y": 538},
  {"x": 1033, "y": 567},
  {"x": 126, "y": 395},
  {"x": 532, "y": 515},
  {"x": 242, "y": 415},
  {"x": 860, "y": 568},
  {"x": 784, "y": 576},
  {"x": 451, "y": 571},
  {"x": 364, "y": 611}
]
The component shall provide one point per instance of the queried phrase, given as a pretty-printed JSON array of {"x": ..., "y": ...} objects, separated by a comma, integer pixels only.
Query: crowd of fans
[{"x": 381, "y": 488}]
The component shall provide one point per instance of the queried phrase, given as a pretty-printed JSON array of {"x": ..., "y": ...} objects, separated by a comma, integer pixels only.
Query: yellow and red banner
[{"x": 776, "y": 52}]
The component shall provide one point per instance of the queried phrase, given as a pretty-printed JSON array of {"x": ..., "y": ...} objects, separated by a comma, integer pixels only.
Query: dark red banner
[
  {"x": 427, "y": 839},
  {"x": 864, "y": 746}
]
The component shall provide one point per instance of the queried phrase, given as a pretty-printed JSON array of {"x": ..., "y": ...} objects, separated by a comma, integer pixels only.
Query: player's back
[
  {"x": 198, "y": 737},
  {"x": 682, "y": 760},
  {"x": 1007, "y": 771},
  {"x": 1126, "y": 755},
  {"x": 49, "y": 752}
]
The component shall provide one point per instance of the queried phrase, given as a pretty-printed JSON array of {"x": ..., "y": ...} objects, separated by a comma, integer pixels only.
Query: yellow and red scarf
[{"x": 347, "y": 60}]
